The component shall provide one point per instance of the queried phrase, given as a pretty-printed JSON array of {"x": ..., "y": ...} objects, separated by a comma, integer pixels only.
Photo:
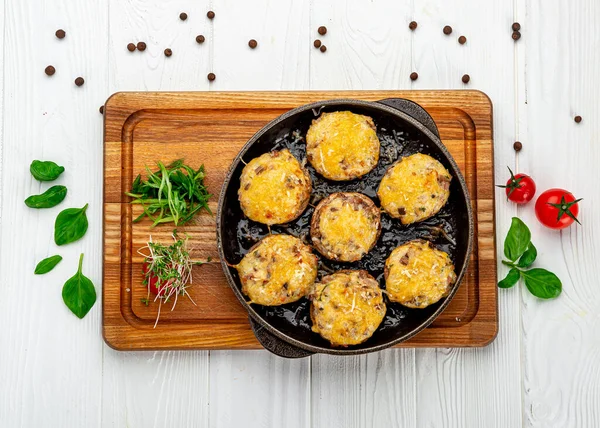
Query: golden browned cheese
[
  {"x": 347, "y": 307},
  {"x": 279, "y": 269},
  {"x": 417, "y": 275},
  {"x": 345, "y": 226},
  {"x": 414, "y": 188},
  {"x": 274, "y": 188},
  {"x": 342, "y": 145}
]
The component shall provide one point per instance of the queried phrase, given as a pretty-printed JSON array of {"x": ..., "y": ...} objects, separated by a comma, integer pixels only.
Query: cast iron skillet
[{"x": 403, "y": 128}]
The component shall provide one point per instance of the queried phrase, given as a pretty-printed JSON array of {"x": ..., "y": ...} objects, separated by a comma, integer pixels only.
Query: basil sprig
[{"x": 521, "y": 253}]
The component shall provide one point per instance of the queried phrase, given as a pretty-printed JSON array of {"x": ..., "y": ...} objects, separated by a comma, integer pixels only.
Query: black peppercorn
[
  {"x": 517, "y": 146},
  {"x": 252, "y": 43},
  {"x": 317, "y": 43},
  {"x": 322, "y": 30},
  {"x": 60, "y": 34},
  {"x": 516, "y": 26},
  {"x": 211, "y": 76},
  {"x": 200, "y": 39},
  {"x": 323, "y": 48},
  {"x": 141, "y": 46},
  {"x": 79, "y": 81},
  {"x": 50, "y": 70},
  {"x": 516, "y": 35},
  {"x": 414, "y": 75},
  {"x": 577, "y": 119},
  {"x": 101, "y": 109},
  {"x": 462, "y": 40},
  {"x": 466, "y": 78},
  {"x": 413, "y": 25},
  {"x": 183, "y": 16},
  {"x": 168, "y": 52},
  {"x": 130, "y": 47},
  {"x": 447, "y": 30},
  {"x": 210, "y": 14}
]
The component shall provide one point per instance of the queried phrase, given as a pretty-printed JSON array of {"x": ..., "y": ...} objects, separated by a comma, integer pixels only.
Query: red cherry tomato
[
  {"x": 557, "y": 208},
  {"x": 520, "y": 188},
  {"x": 152, "y": 280}
]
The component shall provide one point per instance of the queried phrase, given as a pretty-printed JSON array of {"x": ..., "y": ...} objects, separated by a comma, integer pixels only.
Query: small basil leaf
[
  {"x": 79, "y": 293},
  {"x": 47, "y": 264},
  {"x": 45, "y": 170},
  {"x": 50, "y": 198},
  {"x": 528, "y": 256},
  {"x": 511, "y": 278},
  {"x": 542, "y": 284},
  {"x": 517, "y": 240},
  {"x": 70, "y": 225}
]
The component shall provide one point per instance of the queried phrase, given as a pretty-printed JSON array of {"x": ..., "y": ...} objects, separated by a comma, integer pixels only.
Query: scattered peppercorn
[
  {"x": 79, "y": 81},
  {"x": 183, "y": 16},
  {"x": 577, "y": 119},
  {"x": 168, "y": 52},
  {"x": 466, "y": 78},
  {"x": 130, "y": 47},
  {"x": 101, "y": 109},
  {"x": 447, "y": 30},
  {"x": 517, "y": 146},
  {"x": 141, "y": 46},
  {"x": 322, "y": 30},
  {"x": 414, "y": 75},
  {"x": 516, "y": 26},
  {"x": 323, "y": 48},
  {"x": 462, "y": 40},
  {"x": 516, "y": 35},
  {"x": 413, "y": 25},
  {"x": 60, "y": 34},
  {"x": 252, "y": 43},
  {"x": 210, "y": 14},
  {"x": 50, "y": 70},
  {"x": 211, "y": 76},
  {"x": 200, "y": 39},
  {"x": 317, "y": 43}
]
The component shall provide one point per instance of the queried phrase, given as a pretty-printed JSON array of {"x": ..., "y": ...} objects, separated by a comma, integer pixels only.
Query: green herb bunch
[
  {"x": 521, "y": 253},
  {"x": 174, "y": 193}
]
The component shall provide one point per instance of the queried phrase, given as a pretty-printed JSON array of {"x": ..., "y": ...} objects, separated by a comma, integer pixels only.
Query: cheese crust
[
  {"x": 345, "y": 226},
  {"x": 418, "y": 275},
  {"x": 277, "y": 270},
  {"x": 414, "y": 188},
  {"x": 347, "y": 307},
  {"x": 342, "y": 145},
  {"x": 274, "y": 188}
]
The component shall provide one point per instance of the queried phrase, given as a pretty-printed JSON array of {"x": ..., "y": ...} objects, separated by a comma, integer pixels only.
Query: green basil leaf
[
  {"x": 517, "y": 240},
  {"x": 50, "y": 198},
  {"x": 511, "y": 278},
  {"x": 79, "y": 293},
  {"x": 47, "y": 264},
  {"x": 45, "y": 170},
  {"x": 70, "y": 225},
  {"x": 528, "y": 256},
  {"x": 542, "y": 284}
]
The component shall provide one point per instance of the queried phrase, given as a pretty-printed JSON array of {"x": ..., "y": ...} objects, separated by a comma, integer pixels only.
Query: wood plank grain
[
  {"x": 51, "y": 363},
  {"x": 479, "y": 387},
  {"x": 560, "y": 337},
  {"x": 167, "y": 389}
]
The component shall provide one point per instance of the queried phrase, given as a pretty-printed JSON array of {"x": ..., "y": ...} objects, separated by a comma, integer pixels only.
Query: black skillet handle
[
  {"x": 414, "y": 110},
  {"x": 275, "y": 345}
]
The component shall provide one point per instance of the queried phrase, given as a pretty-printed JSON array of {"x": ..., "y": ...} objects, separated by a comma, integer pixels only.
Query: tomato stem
[{"x": 564, "y": 208}]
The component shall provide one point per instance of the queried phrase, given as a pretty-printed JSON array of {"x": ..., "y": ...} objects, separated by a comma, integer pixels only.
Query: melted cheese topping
[
  {"x": 417, "y": 275},
  {"x": 274, "y": 188},
  {"x": 348, "y": 226},
  {"x": 415, "y": 188},
  {"x": 279, "y": 269},
  {"x": 342, "y": 145},
  {"x": 347, "y": 307}
]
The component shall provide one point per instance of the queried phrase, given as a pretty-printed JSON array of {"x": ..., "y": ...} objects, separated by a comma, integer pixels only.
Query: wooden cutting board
[{"x": 210, "y": 127}]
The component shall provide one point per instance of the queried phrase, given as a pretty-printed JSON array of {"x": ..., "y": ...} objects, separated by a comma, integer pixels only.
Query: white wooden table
[{"x": 543, "y": 370}]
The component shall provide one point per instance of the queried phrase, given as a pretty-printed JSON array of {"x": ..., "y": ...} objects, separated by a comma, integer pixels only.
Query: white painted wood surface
[{"x": 55, "y": 371}]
